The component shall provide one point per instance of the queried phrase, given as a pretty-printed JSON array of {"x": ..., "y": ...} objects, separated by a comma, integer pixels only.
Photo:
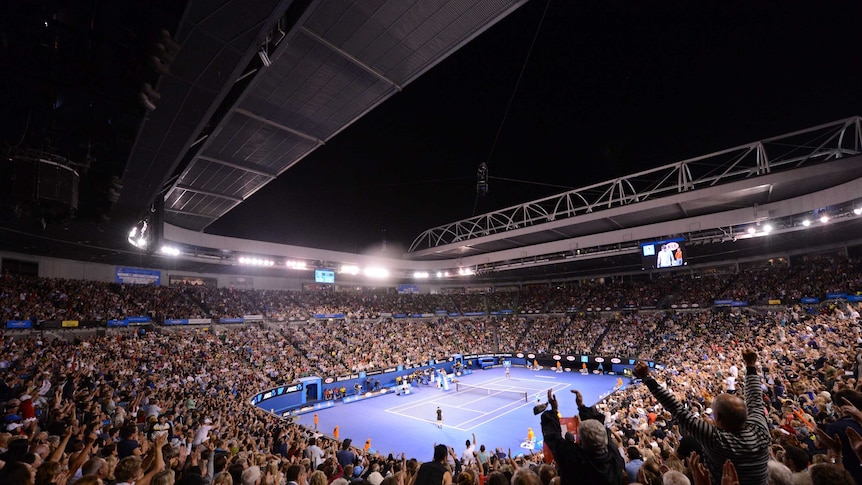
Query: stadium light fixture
[
  {"x": 752, "y": 230},
  {"x": 377, "y": 273},
  {"x": 465, "y": 272},
  {"x": 767, "y": 228},
  {"x": 350, "y": 269},
  {"x": 295, "y": 264},
  {"x": 439, "y": 274},
  {"x": 824, "y": 218},
  {"x": 256, "y": 261},
  {"x": 420, "y": 275},
  {"x": 806, "y": 223},
  {"x": 858, "y": 211},
  {"x": 170, "y": 251},
  {"x": 138, "y": 235}
]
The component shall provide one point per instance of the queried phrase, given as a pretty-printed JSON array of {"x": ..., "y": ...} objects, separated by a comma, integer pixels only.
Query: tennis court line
[
  {"x": 495, "y": 416},
  {"x": 439, "y": 400},
  {"x": 442, "y": 395},
  {"x": 510, "y": 387}
]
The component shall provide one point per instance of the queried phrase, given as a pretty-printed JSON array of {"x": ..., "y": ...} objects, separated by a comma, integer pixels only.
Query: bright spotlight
[
  {"x": 858, "y": 211},
  {"x": 350, "y": 269},
  {"x": 170, "y": 251},
  {"x": 439, "y": 274},
  {"x": 466, "y": 272},
  {"x": 752, "y": 230},
  {"x": 376, "y": 272},
  {"x": 138, "y": 235},
  {"x": 806, "y": 223},
  {"x": 420, "y": 274},
  {"x": 295, "y": 264},
  {"x": 824, "y": 218},
  {"x": 767, "y": 228}
]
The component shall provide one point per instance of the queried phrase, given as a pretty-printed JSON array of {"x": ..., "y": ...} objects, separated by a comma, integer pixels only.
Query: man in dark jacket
[{"x": 593, "y": 460}]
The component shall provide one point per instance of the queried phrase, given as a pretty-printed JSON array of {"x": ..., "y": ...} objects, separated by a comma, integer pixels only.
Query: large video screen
[
  {"x": 324, "y": 276},
  {"x": 669, "y": 253}
]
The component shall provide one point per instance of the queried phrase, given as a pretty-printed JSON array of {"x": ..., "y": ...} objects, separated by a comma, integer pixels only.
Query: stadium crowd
[{"x": 754, "y": 396}]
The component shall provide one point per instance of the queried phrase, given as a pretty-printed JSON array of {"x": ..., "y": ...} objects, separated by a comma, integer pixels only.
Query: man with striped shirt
[{"x": 740, "y": 433}]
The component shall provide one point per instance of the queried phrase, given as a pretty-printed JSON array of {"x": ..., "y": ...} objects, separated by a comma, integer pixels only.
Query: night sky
[{"x": 609, "y": 88}]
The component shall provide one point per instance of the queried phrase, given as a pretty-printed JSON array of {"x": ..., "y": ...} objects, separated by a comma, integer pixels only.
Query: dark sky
[{"x": 610, "y": 88}]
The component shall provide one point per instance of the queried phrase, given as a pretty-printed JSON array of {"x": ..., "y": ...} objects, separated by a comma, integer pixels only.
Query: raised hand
[
  {"x": 749, "y": 355},
  {"x": 855, "y": 442},
  {"x": 699, "y": 472},
  {"x": 641, "y": 370},
  {"x": 552, "y": 399},
  {"x": 728, "y": 474},
  {"x": 849, "y": 409}
]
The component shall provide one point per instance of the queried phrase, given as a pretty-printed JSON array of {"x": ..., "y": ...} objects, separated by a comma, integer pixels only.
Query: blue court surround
[{"x": 408, "y": 422}]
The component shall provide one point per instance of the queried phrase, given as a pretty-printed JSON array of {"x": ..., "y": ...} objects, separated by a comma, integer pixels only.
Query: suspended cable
[
  {"x": 518, "y": 82},
  {"x": 533, "y": 183}
]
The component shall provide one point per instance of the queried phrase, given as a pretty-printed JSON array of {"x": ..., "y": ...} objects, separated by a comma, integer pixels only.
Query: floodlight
[
  {"x": 170, "y": 251},
  {"x": 372, "y": 272},
  {"x": 806, "y": 223},
  {"x": 752, "y": 230},
  {"x": 858, "y": 211},
  {"x": 350, "y": 269},
  {"x": 767, "y": 228},
  {"x": 824, "y": 218},
  {"x": 420, "y": 274}
]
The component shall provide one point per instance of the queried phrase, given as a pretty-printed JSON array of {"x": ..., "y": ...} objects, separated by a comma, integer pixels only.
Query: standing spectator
[
  {"x": 434, "y": 472},
  {"x": 314, "y": 453},
  {"x": 595, "y": 460},
  {"x": 345, "y": 456},
  {"x": 470, "y": 447},
  {"x": 740, "y": 434}
]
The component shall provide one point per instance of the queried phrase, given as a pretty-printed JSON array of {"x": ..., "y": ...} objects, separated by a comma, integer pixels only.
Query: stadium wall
[{"x": 90, "y": 271}]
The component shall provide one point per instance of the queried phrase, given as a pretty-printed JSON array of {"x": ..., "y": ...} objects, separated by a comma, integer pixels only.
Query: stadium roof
[
  {"x": 252, "y": 87},
  {"x": 259, "y": 90}
]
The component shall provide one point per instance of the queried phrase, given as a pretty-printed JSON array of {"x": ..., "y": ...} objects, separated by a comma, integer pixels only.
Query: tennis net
[{"x": 491, "y": 392}]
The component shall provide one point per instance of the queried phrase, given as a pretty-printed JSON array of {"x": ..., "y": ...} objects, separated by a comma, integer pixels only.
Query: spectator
[
  {"x": 593, "y": 460},
  {"x": 740, "y": 433},
  {"x": 434, "y": 472}
]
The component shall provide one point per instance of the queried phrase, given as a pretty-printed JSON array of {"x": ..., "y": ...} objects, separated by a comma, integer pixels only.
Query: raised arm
[
  {"x": 688, "y": 422},
  {"x": 551, "y": 428},
  {"x": 753, "y": 394}
]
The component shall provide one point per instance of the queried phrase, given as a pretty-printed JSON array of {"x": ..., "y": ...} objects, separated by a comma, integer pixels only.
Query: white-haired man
[{"x": 593, "y": 460}]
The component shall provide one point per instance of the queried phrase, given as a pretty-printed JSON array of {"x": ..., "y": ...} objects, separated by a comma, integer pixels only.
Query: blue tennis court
[{"x": 500, "y": 417}]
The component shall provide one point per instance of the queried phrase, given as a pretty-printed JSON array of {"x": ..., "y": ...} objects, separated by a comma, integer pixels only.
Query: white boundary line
[{"x": 437, "y": 401}]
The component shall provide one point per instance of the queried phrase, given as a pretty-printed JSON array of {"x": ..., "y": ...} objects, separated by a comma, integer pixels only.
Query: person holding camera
[{"x": 594, "y": 459}]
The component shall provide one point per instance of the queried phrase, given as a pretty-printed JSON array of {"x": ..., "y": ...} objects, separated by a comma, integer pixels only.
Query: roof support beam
[
  {"x": 343, "y": 53},
  {"x": 256, "y": 117},
  {"x": 248, "y": 168},
  {"x": 207, "y": 192},
  {"x": 189, "y": 213}
]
